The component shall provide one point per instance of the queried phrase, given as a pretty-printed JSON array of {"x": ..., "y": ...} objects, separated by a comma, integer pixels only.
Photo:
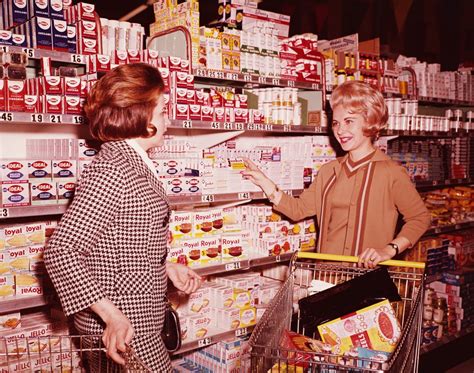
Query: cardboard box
[
  {"x": 39, "y": 170},
  {"x": 59, "y": 35},
  {"x": 15, "y": 194},
  {"x": 16, "y": 90},
  {"x": 66, "y": 191},
  {"x": 13, "y": 171},
  {"x": 375, "y": 327},
  {"x": 43, "y": 192}
]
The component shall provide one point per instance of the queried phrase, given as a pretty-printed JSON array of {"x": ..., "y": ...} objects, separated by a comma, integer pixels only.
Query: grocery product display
[{"x": 246, "y": 90}]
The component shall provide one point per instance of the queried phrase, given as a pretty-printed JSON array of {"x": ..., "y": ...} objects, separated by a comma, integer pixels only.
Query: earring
[{"x": 151, "y": 128}]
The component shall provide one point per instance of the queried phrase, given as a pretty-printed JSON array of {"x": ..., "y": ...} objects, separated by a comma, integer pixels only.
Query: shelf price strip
[
  {"x": 6, "y": 117},
  {"x": 233, "y": 266},
  {"x": 4, "y": 213},
  {"x": 205, "y": 342},
  {"x": 241, "y": 332}
]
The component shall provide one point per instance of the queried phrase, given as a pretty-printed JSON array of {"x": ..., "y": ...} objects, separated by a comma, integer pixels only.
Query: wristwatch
[
  {"x": 395, "y": 246},
  {"x": 272, "y": 195}
]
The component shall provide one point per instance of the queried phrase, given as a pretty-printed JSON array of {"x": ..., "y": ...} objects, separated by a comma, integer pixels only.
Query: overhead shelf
[
  {"x": 253, "y": 79},
  {"x": 443, "y": 183},
  {"x": 23, "y": 302},
  {"x": 447, "y": 339},
  {"x": 74, "y": 58},
  {"x": 449, "y": 228}
]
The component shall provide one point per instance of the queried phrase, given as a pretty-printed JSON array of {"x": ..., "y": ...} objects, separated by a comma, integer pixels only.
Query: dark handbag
[{"x": 171, "y": 333}]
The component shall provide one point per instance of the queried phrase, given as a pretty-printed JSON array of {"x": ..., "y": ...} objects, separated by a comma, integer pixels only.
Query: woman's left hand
[
  {"x": 371, "y": 257},
  {"x": 183, "y": 278}
]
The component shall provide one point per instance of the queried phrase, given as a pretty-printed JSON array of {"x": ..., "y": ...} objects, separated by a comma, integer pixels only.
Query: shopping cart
[
  {"x": 265, "y": 352},
  {"x": 62, "y": 354}
]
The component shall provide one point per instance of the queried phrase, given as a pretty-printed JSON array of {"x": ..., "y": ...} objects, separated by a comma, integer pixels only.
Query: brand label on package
[
  {"x": 13, "y": 171},
  {"x": 43, "y": 193},
  {"x": 16, "y": 90},
  {"x": 39, "y": 169},
  {"x": 41, "y": 32},
  {"x": 15, "y": 195},
  {"x": 60, "y": 38},
  {"x": 65, "y": 191},
  {"x": 64, "y": 169},
  {"x": 56, "y": 9},
  {"x": 39, "y": 8}
]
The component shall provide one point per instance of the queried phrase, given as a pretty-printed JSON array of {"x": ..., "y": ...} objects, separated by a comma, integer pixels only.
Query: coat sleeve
[
  {"x": 96, "y": 202},
  {"x": 416, "y": 217},
  {"x": 297, "y": 208}
]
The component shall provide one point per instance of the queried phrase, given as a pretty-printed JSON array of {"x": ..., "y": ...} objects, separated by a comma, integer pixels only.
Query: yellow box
[
  {"x": 241, "y": 298},
  {"x": 248, "y": 316},
  {"x": 375, "y": 327}
]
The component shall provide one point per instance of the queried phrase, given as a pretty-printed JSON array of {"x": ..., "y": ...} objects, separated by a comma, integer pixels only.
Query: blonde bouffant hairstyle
[{"x": 361, "y": 98}]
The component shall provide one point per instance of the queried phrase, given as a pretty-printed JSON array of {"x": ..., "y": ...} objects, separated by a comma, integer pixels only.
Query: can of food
[
  {"x": 428, "y": 312},
  {"x": 403, "y": 123},
  {"x": 445, "y": 124},
  {"x": 397, "y": 105},
  {"x": 267, "y": 112},
  {"x": 426, "y": 333},
  {"x": 449, "y": 113},
  {"x": 287, "y": 97},
  {"x": 268, "y": 94},
  {"x": 429, "y": 296},
  {"x": 389, "y": 103}
]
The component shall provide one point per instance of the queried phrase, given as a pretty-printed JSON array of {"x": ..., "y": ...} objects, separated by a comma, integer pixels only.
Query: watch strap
[{"x": 395, "y": 246}]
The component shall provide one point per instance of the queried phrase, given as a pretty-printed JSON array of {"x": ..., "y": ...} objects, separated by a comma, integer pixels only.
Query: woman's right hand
[
  {"x": 118, "y": 331},
  {"x": 256, "y": 176}
]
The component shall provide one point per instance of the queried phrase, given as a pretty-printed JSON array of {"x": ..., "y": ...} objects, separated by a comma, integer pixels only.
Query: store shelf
[
  {"x": 444, "y": 101},
  {"x": 440, "y": 134},
  {"x": 251, "y": 127},
  {"x": 243, "y": 78},
  {"x": 447, "y": 339},
  {"x": 243, "y": 264},
  {"x": 214, "y": 338},
  {"x": 225, "y": 197},
  {"x": 78, "y": 59},
  {"x": 449, "y": 228},
  {"x": 17, "y": 303},
  {"x": 27, "y": 211},
  {"x": 40, "y": 118},
  {"x": 443, "y": 183}
]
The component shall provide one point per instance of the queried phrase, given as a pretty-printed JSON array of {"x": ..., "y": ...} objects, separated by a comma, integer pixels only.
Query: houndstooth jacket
[{"x": 111, "y": 242}]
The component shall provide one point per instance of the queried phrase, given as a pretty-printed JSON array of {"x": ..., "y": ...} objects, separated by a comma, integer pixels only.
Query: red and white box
[
  {"x": 52, "y": 85},
  {"x": 207, "y": 113},
  {"x": 13, "y": 171},
  {"x": 181, "y": 111},
  {"x": 33, "y": 104},
  {"x": 15, "y": 194},
  {"x": 3, "y": 94},
  {"x": 164, "y": 62},
  {"x": 195, "y": 112},
  {"x": 98, "y": 62},
  {"x": 84, "y": 90},
  {"x": 241, "y": 101},
  {"x": 87, "y": 46},
  {"x": 256, "y": 116},
  {"x": 63, "y": 169},
  {"x": 79, "y": 12},
  {"x": 72, "y": 105},
  {"x": 71, "y": 86},
  {"x": 165, "y": 75},
  {"x": 190, "y": 81},
  {"x": 180, "y": 95},
  {"x": 120, "y": 57},
  {"x": 53, "y": 104},
  {"x": 65, "y": 191},
  {"x": 191, "y": 96},
  {"x": 178, "y": 79},
  {"x": 43, "y": 192},
  {"x": 150, "y": 56},
  {"x": 16, "y": 90},
  {"x": 202, "y": 98},
  {"x": 174, "y": 63},
  {"x": 87, "y": 29},
  {"x": 39, "y": 169},
  {"x": 185, "y": 66},
  {"x": 219, "y": 114},
  {"x": 134, "y": 56},
  {"x": 241, "y": 115}
]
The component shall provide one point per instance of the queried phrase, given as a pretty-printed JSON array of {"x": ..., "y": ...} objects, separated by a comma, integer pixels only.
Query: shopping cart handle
[{"x": 355, "y": 259}]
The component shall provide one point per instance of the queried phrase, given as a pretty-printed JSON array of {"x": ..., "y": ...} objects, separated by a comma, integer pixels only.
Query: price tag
[
  {"x": 262, "y": 80},
  {"x": 200, "y": 72},
  {"x": 29, "y": 52},
  {"x": 231, "y": 76},
  {"x": 241, "y": 332},
  {"x": 6, "y": 117},
  {"x": 251, "y": 127},
  {"x": 276, "y": 81},
  {"x": 205, "y": 342},
  {"x": 258, "y": 127},
  {"x": 215, "y": 125},
  {"x": 268, "y": 127},
  {"x": 4, "y": 48},
  {"x": 187, "y": 124},
  {"x": 247, "y": 78},
  {"x": 227, "y": 126},
  {"x": 4, "y": 213},
  {"x": 77, "y": 119},
  {"x": 37, "y": 118},
  {"x": 239, "y": 126},
  {"x": 232, "y": 266},
  {"x": 77, "y": 58},
  {"x": 207, "y": 198},
  {"x": 318, "y": 129},
  {"x": 278, "y": 258},
  {"x": 244, "y": 195},
  {"x": 286, "y": 128},
  {"x": 315, "y": 86},
  {"x": 290, "y": 83},
  {"x": 56, "y": 118}
]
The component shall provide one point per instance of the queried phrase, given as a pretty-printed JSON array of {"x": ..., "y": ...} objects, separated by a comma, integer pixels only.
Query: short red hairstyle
[
  {"x": 120, "y": 105},
  {"x": 361, "y": 98}
]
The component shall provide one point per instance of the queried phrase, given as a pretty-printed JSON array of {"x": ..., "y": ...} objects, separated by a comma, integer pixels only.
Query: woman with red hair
[
  {"x": 107, "y": 257},
  {"x": 356, "y": 198}
]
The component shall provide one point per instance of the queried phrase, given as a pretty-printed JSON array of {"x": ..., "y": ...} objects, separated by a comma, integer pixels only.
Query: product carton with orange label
[
  {"x": 210, "y": 249},
  {"x": 375, "y": 327},
  {"x": 232, "y": 248},
  {"x": 181, "y": 224},
  {"x": 192, "y": 249},
  {"x": 227, "y": 319},
  {"x": 200, "y": 325}
]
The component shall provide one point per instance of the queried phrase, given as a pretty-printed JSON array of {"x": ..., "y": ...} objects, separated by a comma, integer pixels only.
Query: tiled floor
[{"x": 466, "y": 367}]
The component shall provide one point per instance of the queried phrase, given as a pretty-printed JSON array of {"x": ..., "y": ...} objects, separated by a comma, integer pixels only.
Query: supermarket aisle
[{"x": 466, "y": 367}]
